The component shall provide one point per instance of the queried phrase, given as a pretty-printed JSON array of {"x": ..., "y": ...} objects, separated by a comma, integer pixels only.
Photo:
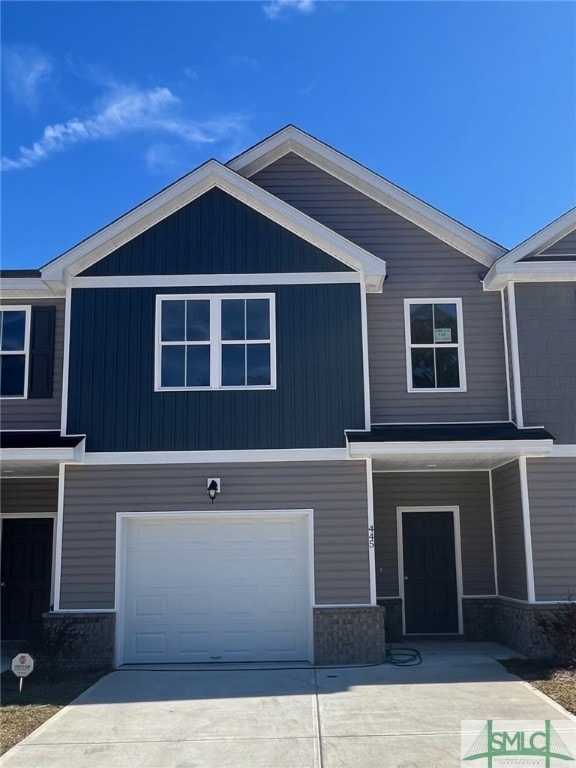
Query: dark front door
[
  {"x": 430, "y": 592},
  {"x": 26, "y": 575}
]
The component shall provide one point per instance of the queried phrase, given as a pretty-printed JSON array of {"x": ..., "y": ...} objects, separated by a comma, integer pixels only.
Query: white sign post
[{"x": 22, "y": 665}]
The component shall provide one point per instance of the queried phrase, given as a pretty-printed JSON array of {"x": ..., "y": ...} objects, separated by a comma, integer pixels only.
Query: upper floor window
[
  {"x": 14, "y": 348},
  {"x": 434, "y": 345},
  {"x": 224, "y": 341}
]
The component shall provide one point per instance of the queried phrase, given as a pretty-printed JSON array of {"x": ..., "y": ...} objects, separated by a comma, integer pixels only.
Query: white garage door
[{"x": 233, "y": 588}]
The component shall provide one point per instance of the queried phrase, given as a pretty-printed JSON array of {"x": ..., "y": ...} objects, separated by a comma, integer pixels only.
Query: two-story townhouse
[{"x": 281, "y": 411}]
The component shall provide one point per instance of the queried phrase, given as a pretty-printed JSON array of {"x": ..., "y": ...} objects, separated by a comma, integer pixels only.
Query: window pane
[
  {"x": 445, "y": 324},
  {"x": 173, "y": 366},
  {"x": 421, "y": 327},
  {"x": 422, "y": 368},
  {"x": 447, "y": 373},
  {"x": 197, "y": 320},
  {"x": 12, "y": 375},
  {"x": 13, "y": 331},
  {"x": 257, "y": 319},
  {"x": 258, "y": 364},
  {"x": 233, "y": 319},
  {"x": 198, "y": 365},
  {"x": 233, "y": 365},
  {"x": 173, "y": 320}
]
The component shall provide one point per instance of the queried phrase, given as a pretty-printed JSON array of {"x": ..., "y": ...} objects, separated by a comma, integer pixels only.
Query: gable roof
[
  {"x": 185, "y": 190},
  {"x": 292, "y": 139},
  {"x": 513, "y": 266}
]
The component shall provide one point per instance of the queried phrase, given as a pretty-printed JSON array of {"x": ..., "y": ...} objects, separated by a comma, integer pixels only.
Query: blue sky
[{"x": 469, "y": 106}]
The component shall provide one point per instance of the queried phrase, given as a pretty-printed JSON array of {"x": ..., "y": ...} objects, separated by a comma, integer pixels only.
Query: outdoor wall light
[{"x": 213, "y": 487}]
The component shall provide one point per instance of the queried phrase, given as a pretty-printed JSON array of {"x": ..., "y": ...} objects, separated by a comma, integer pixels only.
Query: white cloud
[
  {"x": 27, "y": 72},
  {"x": 124, "y": 110},
  {"x": 276, "y": 8}
]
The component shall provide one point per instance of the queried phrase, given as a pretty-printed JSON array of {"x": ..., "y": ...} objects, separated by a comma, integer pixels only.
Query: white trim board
[
  {"x": 292, "y": 139},
  {"x": 215, "y": 175},
  {"x": 213, "y": 457},
  {"x": 192, "y": 281},
  {"x": 457, "y": 560},
  {"x": 536, "y": 448},
  {"x": 527, "y": 530}
]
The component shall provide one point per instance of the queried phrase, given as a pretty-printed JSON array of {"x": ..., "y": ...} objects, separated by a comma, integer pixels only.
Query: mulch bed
[
  {"x": 557, "y": 680},
  {"x": 43, "y": 694}
]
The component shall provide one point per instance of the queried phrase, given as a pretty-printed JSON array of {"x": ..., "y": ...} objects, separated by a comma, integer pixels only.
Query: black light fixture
[{"x": 212, "y": 488}]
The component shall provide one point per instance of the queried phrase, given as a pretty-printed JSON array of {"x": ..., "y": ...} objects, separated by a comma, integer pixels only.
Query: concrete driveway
[{"x": 370, "y": 717}]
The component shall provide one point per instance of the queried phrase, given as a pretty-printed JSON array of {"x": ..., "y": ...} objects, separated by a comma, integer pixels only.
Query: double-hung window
[
  {"x": 434, "y": 345},
  {"x": 224, "y": 341},
  {"x": 14, "y": 350}
]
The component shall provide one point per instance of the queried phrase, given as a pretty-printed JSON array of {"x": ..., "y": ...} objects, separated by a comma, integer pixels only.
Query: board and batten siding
[
  {"x": 468, "y": 490},
  {"x": 552, "y": 493},
  {"x": 215, "y": 234},
  {"x": 335, "y": 491},
  {"x": 546, "y": 318},
  {"x": 30, "y": 495},
  {"x": 38, "y": 413},
  {"x": 418, "y": 266},
  {"x": 509, "y": 526},
  {"x": 320, "y": 384}
]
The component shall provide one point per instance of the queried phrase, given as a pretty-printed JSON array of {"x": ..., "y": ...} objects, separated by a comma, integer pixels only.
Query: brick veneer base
[
  {"x": 93, "y": 641},
  {"x": 349, "y": 635}
]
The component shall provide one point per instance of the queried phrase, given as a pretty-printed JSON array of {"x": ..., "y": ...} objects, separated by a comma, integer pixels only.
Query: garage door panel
[{"x": 216, "y": 588}]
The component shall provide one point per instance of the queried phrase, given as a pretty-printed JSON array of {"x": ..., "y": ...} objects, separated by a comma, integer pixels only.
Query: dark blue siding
[
  {"x": 319, "y": 367},
  {"x": 215, "y": 234}
]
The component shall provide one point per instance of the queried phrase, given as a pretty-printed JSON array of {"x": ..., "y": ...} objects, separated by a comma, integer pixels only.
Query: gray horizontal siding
[
  {"x": 29, "y": 496},
  {"x": 419, "y": 266},
  {"x": 565, "y": 245},
  {"x": 336, "y": 491},
  {"x": 319, "y": 394},
  {"x": 39, "y": 413},
  {"x": 546, "y": 314},
  {"x": 509, "y": 527},
  {"x": 552, "y": 492},
  {"x": 215, "y": 234},
  {"x": 468, "y": 490}
]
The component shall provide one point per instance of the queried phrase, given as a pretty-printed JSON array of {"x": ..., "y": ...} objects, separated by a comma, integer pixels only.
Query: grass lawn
[
  {"x": 43, "y": 694},
  {"x": 555, "y": 680}
]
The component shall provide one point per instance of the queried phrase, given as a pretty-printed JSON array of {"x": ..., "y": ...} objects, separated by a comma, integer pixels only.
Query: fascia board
[
  {"x": 210, "y": 175},
  {"x": 525, "y": 272},
  {"x": 370, "y": 184},
  {"x": 69, "y": 455},
  {"x": 517, "y": 447},
  {"x": 540, "y": 241},
  {"x": 29, "y": 288}
]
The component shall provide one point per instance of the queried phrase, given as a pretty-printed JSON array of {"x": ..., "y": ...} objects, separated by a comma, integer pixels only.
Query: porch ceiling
[{"x": 432, "y": 462}]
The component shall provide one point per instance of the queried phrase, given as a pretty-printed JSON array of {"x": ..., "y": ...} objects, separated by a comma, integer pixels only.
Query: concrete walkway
[{"x": 370, "y": 717}]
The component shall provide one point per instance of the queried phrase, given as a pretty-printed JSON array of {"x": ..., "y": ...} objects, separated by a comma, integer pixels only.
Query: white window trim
[
  {"x": 215, "y": 341},
  {"x": 459, "y": 346},
  {"x": 28, "y": 310}
]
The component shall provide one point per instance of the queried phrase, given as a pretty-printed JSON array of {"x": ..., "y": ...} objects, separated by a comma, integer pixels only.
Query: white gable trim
[
  {"x": 291, "y": 139},
  {"x": 214, "y": 174},
  {"x": 511, "y": 266}
]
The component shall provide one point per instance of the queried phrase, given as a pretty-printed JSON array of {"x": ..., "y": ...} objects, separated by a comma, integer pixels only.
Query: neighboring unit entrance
[
  {"x": 26, "y": 575},
  {"x": 230, "y": 587},
  {"x": 429, "y": 572}
]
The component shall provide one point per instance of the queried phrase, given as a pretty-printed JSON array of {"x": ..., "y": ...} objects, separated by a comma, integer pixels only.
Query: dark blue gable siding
[
  {"x": 319, "y": 366},
  {"x": 215, "y": 234}
]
